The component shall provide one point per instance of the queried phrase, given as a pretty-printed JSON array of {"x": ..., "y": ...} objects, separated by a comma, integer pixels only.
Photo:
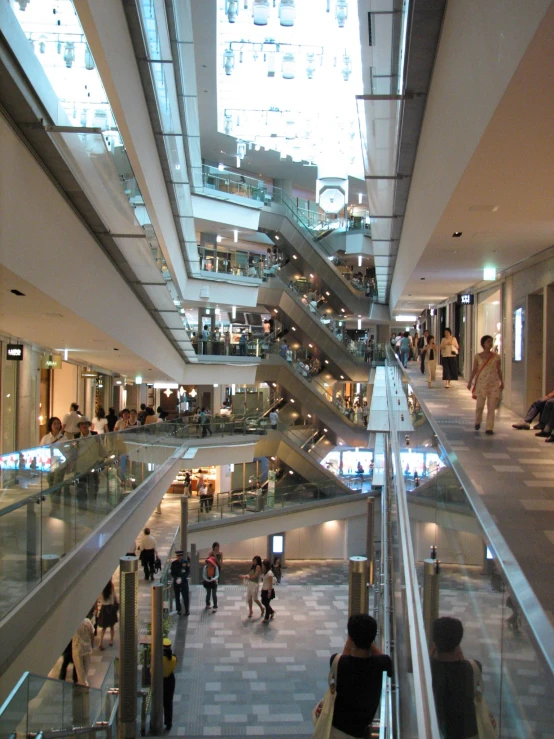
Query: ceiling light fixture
[
  {"x": 360, "y": 259},
  {"x": 287, "y": 12},
  {"x": 232, "y": 10},
  {"x": 341, "y": 12},
  {"x": 235, "y": 236},
  {"x": 260, "y": 12},
  {"x": 456, "y": 234},
  {"x": 289, "y": 66},
  {"x": 228, "y": 61},
  {"x": 234, "y": 312},
  {"x": 310, "y": 65},
  {"x": 346, "y": 70},
  {"x": 360, "y": 198},
  {"x": 489, "y": 274}
]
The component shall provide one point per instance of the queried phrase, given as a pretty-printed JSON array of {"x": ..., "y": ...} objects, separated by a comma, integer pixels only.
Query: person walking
[
  {"x": 253, "y": 584},
  {"x": 70, "y": 422},
  {"x": 273, "y": 419},
  {"x": 210, "y": 577},
  {"x": 88, "y": 457},
  {"x": 267, "y": 589},
  {"x": 67, "y": 655},
  {"x": 147, "y": 557},
  {"x": 217, "y": 554},
  {"x": 100, "y": 422},
  {"x": 421, "y": 344},
  {"x": 111, "y": 418},
  {"x": 107, "y": 618},
  {"x": 486, "y": 377},
  {"x": 449, "y": 357},
  {"x": 81, "y": 646},
  {"x": 205, "y": 423},
  {"x": 169, "y": 664},
  {"x": 180, "y": 572},
  {"x": 429, "y": 358}
]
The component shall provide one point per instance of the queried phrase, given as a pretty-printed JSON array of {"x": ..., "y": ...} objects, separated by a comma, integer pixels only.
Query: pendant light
[
  {"x": 69, "y": 54},
  {"x": 89, "y": 61},
  {"x": 346, "y": 70},
  {"x": 287, "y": 12},
  {"x": 341, "y": 12},
  {"x": 260, "y": 12},
  {"x": 232, "y": 10},
  {"x": 310, "y": 65},
  {"x": 289, "y": 66},
  {"x": 228, "y": 61}
]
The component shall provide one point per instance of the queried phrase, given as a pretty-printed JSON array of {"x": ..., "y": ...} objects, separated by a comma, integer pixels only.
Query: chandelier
[{"x": 261, "y": 11}]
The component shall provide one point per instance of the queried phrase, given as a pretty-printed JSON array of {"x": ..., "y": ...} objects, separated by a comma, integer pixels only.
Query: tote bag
[
  {"x": 324, "y": 723},
  {"x": 485, "y": 727}
]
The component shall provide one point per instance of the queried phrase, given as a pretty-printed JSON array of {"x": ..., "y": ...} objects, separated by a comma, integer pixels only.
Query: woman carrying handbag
[{"x": 355, "y": 681}]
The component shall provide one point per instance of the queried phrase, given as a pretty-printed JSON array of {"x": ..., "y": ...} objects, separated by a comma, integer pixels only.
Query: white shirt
[
  {"x": 82, "y": 639},
  {"x": 267, "y": 581},
  {"x": 48, "y": 439},
  {"x": 70, "y": 421},
  {"x": 122, "y": 424},
  {"x": 100, "y": 425},
  {"x": 273, "y": 418},
  {"x": 147, "y": 542}
]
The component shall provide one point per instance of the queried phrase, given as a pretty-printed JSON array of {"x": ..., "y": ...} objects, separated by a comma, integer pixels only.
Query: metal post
[
  {"x": 194, "y": 566},
  {"x": 32, "y": 540},
  {"x": 156, "y": 661},
  {"x": 184, "y": 524},
  {"x": 358, "y": 593},
  {"x": 370, "y": 540},
  {"x": 430, "y": 595},
  {"x": 128, "y": 645}
]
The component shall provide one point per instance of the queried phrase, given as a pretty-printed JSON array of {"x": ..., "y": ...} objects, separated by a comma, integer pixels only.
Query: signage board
[
  {"x": 51, "y": 361},
  {"x": 14, "y": 352},
  {"x": 466, "y": 299}
]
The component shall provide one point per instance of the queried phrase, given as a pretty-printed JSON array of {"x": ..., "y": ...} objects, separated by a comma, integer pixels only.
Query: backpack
[{"x": 210, "y": 569}]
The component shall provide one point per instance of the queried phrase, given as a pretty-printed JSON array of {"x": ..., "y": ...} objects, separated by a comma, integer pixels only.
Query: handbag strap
[
  {"x": 333, "y": 674},
  {"x": 477, "y": 680}
]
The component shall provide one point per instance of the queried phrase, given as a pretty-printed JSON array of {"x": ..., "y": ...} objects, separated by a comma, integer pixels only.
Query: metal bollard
[
  {"x": 184, "y": 528},
  {"x": 156, "y": 661},
  {"x": 128, "y": 643},
  {"x": 358, "y": 593},
  {"x": 370, "y": 540},
  {"x": 430, "y": 595},
  {"x": 194, "y": 565}
]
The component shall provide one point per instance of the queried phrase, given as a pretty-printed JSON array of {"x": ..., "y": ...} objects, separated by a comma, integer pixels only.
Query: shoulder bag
[
  {"x": 486, "y": 726},
  {"x": 324, "y": 723}
]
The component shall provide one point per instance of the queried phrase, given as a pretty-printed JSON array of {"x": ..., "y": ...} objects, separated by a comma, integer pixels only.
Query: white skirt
[{"x": 252, "y": 590}]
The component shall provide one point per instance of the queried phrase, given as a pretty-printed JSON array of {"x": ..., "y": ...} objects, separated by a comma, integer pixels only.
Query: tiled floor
[{"x": 512, "y": 470}]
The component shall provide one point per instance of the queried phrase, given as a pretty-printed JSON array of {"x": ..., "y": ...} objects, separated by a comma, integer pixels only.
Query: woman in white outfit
[
  {"x": 81, "y": 644},
  {"x": 253, "y": 585},
  {"x": 429, "y": 353}
]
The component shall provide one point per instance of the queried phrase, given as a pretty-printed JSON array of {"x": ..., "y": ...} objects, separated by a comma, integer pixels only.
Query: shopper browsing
[{"x": 210, "y": 577}]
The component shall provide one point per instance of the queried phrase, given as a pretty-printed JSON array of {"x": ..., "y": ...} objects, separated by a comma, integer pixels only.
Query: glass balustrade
[
  {"x": 53, "y": 497},
  {"x": 238, "y": 263},
  {"x": 233, "y": 183},
  {"x": 40, "y": 704},
  {"x": 502, "y": 629}
]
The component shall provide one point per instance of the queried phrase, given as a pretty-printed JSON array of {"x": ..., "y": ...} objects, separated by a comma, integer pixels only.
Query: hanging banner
[{"x": 51, "y": 361}]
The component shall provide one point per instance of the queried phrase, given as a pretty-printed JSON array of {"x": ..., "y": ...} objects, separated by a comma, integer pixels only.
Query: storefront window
[{"x": 489, "y": 318}]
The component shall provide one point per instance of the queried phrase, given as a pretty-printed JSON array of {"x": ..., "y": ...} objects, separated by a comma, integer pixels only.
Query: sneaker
[
  {"x": 521, "y": 426},
  {"x": 550, "y": 440},
  {"x": 214, "y": 609},
  {"x": 538, "y": 427},
  {"x": 543, "y": 434},
  {"x": 477, "y": 426},
  {"x": 489, "y": 431},
  {"x": 187, "y": 613}
]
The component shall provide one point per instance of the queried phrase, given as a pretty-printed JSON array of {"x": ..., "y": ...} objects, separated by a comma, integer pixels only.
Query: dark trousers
[
  {"x": 87, "y": 489},
  {"x": 169, "y": 689},
  {"x": 147, "y": 558},
  {"x": 422, "y": 364},
  {"x": 67, "y": 660},
  {"x": 205, "y": 430},
  {"x": 211, "y": 592},
  {"x": 547, "y": 415},
  {"x": 542, "y": 408},
  {"x": 266, "y": 604},
  {"x": 181, "y": 589}
]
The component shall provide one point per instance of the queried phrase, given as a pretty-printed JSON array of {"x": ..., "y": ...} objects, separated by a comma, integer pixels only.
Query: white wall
[
  {"x": 453, "y": 547},
  {"x": 64, "y": 390}
]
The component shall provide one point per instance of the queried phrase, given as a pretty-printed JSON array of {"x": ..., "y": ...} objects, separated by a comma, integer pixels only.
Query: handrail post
[
  {"x": 156, "y": 661},
  {"x": 183, "y": 530},
  {"x": 128, "y": 644},
  {"x": 370, "y": 540}
]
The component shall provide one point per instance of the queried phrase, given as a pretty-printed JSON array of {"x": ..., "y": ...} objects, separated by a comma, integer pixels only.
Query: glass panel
[{"x": 14, "y": 713}]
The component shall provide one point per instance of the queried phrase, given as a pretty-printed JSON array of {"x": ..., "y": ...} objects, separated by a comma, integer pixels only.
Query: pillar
[
  {"x": 548, "y": 344},
  {"x": 90, "y": 396},
  {"x": 285, "y": 185},
  {"x": 194, "y": 566},
  {"x": 370, "y": 539},
  {"x": 128, "y": 643},
  {"x": 28, "y": 398},
  {"x": 358, "y": 593},
  {"x": 156, "y": 661},
  {"x": 430, "y": 596},
  {"x": 184, "y": 524}
]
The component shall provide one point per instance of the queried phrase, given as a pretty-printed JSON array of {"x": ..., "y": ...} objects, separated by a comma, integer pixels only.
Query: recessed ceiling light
[
  {"x": 294, "y": 256},
  {"x": 456, "y": 234},
  {"x": 115, "y": 349},
  {"x": 422, "y": 278},
  {"x": 18, "y": 293}
]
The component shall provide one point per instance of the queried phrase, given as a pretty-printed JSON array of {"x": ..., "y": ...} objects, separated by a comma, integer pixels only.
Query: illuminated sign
[
  {"x": 51, "y": 361},
  {"x": 14, "y": 351},
  {"x": 518, "y": 334},
  {"x": 466, "y": 299}
]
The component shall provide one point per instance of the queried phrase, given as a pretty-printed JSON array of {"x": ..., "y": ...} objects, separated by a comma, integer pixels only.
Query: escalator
[
  {"x": 276, "y": 294},
  {"x": 276, "y": 369}
]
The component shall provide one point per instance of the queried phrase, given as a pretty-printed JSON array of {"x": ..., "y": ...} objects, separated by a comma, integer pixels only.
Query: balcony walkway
[{"x": 512, "y": 470}]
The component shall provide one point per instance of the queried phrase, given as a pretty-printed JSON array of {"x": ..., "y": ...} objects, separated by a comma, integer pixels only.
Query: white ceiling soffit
[
  {"x": 231, "y": 214},
  {"x": 107, "y": 33},
  {"x": 485, "y": 158}
]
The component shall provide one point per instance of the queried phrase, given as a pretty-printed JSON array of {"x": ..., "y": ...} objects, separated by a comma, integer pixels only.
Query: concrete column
[
  {"x": 90, "y": 393},
  {"x": 184, "y": 524},
  {"x": 128, "y": 644},
  {"x": 358, "y": 593},
  {"x": 156, "y": 661},
  {"x": 547, "y": 343},
  {"x": 534, "y": 355},
  {"x": 370, "y": 539},
  {"x": 285, "y": 185},
  {"x": 28, "y": 399},
  {"x": 430, "y": 595},
  {"x": 194, "y": 566}
]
